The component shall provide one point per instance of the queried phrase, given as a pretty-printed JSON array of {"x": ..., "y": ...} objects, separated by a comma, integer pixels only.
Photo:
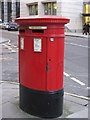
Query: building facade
[
  {"x": 0, "y": 9},
  {"x": 86, "y": 12},
  {"x": 78, "y": 11},
  {"x": 10, "y": 9},
  {"x": 72, "y": 9}
]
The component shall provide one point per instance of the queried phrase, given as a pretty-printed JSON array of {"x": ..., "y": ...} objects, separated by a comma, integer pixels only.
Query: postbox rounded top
[{"x": 46, "y": 19}]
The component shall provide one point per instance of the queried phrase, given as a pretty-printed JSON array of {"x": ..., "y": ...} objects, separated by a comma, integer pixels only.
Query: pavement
[
  {"x": 74, "y": 106},
  {"x": 76, "y": 34}
]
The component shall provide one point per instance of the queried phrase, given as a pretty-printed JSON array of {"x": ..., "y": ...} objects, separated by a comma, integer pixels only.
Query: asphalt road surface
[
  {"x": 76, "y": 66},
  {"x": 75, "y": 62}
]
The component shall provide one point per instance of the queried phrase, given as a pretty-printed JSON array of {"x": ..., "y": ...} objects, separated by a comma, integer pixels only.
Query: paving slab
[
  {"x": 9, "y": 92},
  {"x": 11, "y": 109},
  {"x": 76, "y": 100},
  {"x": 80, "y": 114},
  {"x": 71, "y": 107},
  {"x": 0, "y": 112},
  {"x": 76, "y": 34}
]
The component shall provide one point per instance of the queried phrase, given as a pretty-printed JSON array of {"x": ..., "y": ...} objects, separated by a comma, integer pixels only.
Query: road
[
  {"x": 76, "y": 66},
  {"x": 75, "y": 62}
]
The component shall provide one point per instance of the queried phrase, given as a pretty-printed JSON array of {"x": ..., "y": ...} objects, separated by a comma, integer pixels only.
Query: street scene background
[
  {"x": 75, "y": 62},
  {"x": 75, "y": 72},
  {"x": 76, "y": 54}
]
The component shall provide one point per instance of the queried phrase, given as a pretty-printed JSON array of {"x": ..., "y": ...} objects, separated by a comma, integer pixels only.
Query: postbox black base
[{"x": 40, "y": 103}]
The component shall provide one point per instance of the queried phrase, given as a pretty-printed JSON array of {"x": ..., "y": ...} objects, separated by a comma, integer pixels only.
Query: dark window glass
[
  {"x": 36, "y": 9},
  {"x": 50, "y": 8},
  {"x": 33, "y": 9},
  {"x": 2, "y": 11},
  {"x": 17, "y": 9},
  {"x": 46, "y": 9},
  {"x": 54, "y": 8},
  {"x": 9, "y": 10}
]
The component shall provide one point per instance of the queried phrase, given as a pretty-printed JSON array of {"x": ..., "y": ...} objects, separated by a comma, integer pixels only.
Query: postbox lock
[
  {"x": 47, "y": 68},
  {"x": 51, "y": 39},
  {"x": 22, "y": 43}
]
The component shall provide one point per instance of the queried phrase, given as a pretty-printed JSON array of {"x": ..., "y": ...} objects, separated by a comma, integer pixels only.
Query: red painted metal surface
[
  {"x": 42, "y": 70},
  {"x": 55, "y": 59}
]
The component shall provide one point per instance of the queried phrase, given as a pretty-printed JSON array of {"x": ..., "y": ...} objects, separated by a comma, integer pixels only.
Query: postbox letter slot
[
  {"x": 37, "y": 31},
  {"x": 22, "y": 31}
]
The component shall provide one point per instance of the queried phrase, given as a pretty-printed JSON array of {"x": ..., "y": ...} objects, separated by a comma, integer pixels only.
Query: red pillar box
[{"x": 41, "y": 60}]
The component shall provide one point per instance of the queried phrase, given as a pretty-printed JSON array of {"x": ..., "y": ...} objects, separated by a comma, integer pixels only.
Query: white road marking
[
  {"x": 74, "y": 95},
  {"x": 10, "y": 82},
  {"x": 9, "y": 47},
  {"x": 13, "y": 51},
  {"x": 74, "y": 79},
  {"x": 11, "y": 44},
  {"x": 77, "y": 45},
  {"x": 66, "y": 74},
  {"x": 4, "y": 59},
  {"x": 88, "y": 88},
  {"x": 78, "y": 81}
]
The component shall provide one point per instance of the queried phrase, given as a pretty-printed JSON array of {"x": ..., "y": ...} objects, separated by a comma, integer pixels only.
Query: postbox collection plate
[
  {"x": 22, "y": 43},
  {"x": 37, "y": 45}
]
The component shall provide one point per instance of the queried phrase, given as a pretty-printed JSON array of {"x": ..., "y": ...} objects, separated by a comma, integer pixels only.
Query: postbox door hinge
[{"x": 47, "y": 68}]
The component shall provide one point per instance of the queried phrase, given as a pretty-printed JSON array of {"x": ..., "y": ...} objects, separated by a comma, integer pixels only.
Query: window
[
  {"x": 17, "y": 9},
  {"x": 50, "y": 8},
  {"x": 33, "y": 9},
  {"x": 87, "y": 11},
  {"x": 54, "y": 8},
  {"x": 2, "y": 11},
  {"x": 46, "y": 9},
  {"x": 9, "y": 9},
  {"x": 87, "y": 8}
]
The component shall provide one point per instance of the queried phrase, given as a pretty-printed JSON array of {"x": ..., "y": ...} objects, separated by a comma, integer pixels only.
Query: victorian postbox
[{"x": 41, "y": 61}]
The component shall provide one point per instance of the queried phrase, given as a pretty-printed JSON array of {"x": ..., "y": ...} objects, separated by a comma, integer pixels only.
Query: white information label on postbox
[
  {"x": 22, "y": 43},
  {"x": 37, "y": 44}
]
